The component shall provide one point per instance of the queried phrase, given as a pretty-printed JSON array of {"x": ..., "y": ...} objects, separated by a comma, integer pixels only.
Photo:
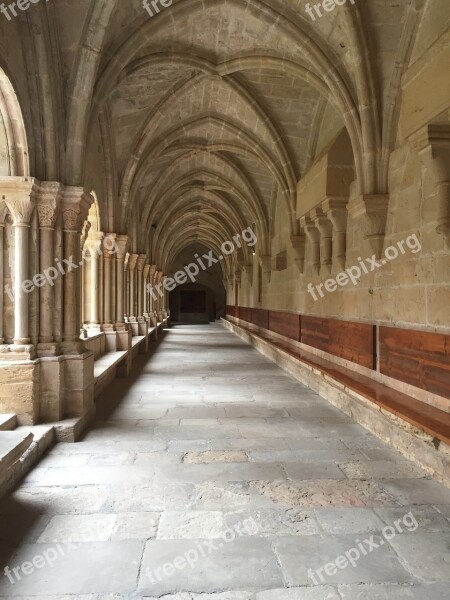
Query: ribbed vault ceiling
[{"x": 216, "y": 108}]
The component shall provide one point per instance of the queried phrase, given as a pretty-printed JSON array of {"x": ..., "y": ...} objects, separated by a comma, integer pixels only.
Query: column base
[
  {"x": 20, "y": 352},
  {"x": 47, "y": 349},
  {"x": 73, "y": 348}
]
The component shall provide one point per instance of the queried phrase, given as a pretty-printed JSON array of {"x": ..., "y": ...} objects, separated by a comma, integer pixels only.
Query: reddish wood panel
[
  {"x": 416, "y": 357},
  {"x": 431, "y": 420},
  {"x": 284, "y": 323},
  {"x": 232, "y": 311},
  {"x": 260, "y": 318},
  {"x": 245, "y": 314},
  {"x": 348, "y": 340}
]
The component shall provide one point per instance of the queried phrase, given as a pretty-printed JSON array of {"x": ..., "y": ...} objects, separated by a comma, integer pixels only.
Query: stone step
[
  {"x": 8, "y": 422},
  {"x": 13, "y": 445},
  {"x": 20, "y": 450}
]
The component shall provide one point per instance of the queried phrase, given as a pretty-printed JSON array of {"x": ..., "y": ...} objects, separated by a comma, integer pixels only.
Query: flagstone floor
[{"x": 212, "y": 474}]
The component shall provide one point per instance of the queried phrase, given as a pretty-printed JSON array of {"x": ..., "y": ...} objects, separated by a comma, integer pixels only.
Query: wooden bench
[{"x": 429, "y": 419}]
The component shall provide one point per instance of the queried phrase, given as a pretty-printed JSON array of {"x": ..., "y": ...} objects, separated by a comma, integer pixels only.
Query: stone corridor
[{"x": 211, "y": 471}]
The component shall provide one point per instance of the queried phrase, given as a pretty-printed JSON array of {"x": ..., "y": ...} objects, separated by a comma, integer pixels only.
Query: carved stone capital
[
  {"x": 3, "y": 212},
  {"x": 310, "y": 229},
  {"x": 48, "y": 198},
  {"x": 75, "y": 206},
  {"x": 94, "y": 243},
  {"x": 336, "y": 211},
  {"x": 140, "y": 263},
  {"x": 109, "y": 245},
  {"x": 371, "y": 213},
  {"x": 122, "y": 242},
  {"x": 132, "y": 260},
  {"x": 146, "y": 271},
  {"x": 19, "y": 195}
]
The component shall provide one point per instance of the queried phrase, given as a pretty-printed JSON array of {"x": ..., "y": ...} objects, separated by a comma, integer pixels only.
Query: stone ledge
[
  {"x": 8, "y": 422},
  {"x": 415, "y": 444},
  {"x": 36, "y": 441}
]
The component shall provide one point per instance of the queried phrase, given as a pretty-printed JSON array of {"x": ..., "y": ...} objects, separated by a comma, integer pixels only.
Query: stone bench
[{"x": 105, "y": 369}]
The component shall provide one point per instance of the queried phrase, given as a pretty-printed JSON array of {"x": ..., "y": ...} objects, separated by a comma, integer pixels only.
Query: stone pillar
[
  {"x": 140, "y": 264},
  {"x": 79, "y": 362},
  {"x": 108, "y": 283},
  {"x": 3, "y": 210},
  {"x": 145, "y": 291},
  {"x": 122, "y": 241},
  {"x": 324, "y": 226},
  {"x": 19, "y": 196},
  {"x": 94, "y": 245},
  {"x": 132, "y": 279},
  {"x": 47, "y": 204},
  {"x": 152, "y": 301},
  {"x": 126, "y": 285},
  {"x": 75, "y": 206}
]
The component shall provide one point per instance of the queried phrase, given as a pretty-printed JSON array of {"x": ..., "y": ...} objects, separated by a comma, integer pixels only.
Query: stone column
[
  {"x": 324, "y": 226},
  {"x": 19, "y": 196},
  {"x": 145, "y": 291},
  {"x": 152, "y": 301},
  {"x": 132, "y": 277},
  {"x": 108, "y": 283},
  {"x": 140, "y": 264},
  {"x": 122, "y": 241},
  {"x": 75, "y": 206},
  {"x": 94, "y": 245},
  {"x": 47, "y": 204},
  {"x": 3, "y": 210}
]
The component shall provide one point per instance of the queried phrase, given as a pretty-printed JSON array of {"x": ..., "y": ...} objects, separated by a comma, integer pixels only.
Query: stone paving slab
[
  {"x": 242, "y": 564},
  {"x": 299, "y": 555},
  {"x": 86, "y": 568},
  {"x": 426, "y": 555}
]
